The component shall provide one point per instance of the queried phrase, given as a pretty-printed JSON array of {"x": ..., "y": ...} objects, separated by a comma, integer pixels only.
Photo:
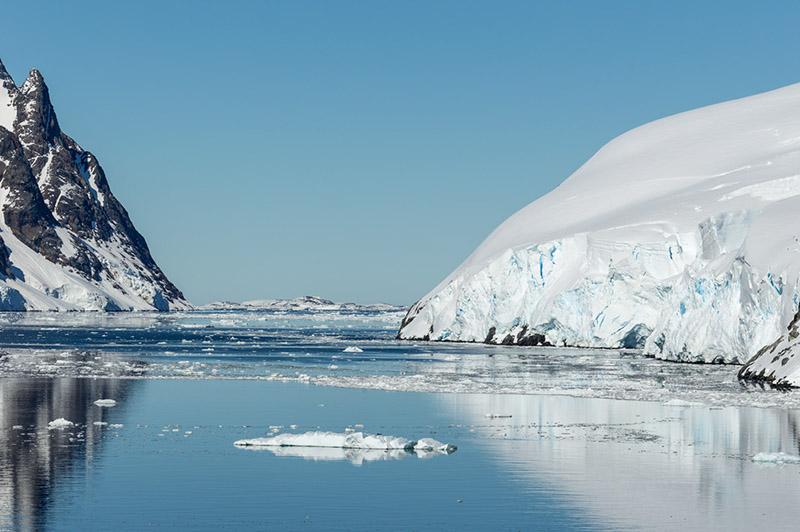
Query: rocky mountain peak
[
  {"x": 37, "y": 126},
  {"x": 4, "y": 75},
  {"x": 66, "y": 240}
]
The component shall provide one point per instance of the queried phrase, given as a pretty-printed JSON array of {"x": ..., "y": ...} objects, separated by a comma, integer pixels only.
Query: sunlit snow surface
[{"x": 310, "y": 346}]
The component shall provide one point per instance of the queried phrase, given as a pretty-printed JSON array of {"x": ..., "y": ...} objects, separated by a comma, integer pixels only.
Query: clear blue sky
[{"x": 361, "y": 150}]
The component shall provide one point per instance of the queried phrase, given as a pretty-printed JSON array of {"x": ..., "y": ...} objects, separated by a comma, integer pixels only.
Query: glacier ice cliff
[
  {"x": 66, "y": 243},
  {"x": 679, "y": 237}
]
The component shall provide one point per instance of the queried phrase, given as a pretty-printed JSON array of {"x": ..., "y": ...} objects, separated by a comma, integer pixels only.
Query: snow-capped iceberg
[
  {"x": 678, "y": 237},
  {"x": 348, "y": 440}
]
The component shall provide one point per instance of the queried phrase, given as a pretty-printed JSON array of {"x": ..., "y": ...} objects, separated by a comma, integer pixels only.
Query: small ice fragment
[
  {"x": 100, "y": 423},
  {"x": 493, "y": 416},
  {"x": 776, "y": 458},
  {"x": 17, "y": 427},
  {"x": 60, "y": 423},
  {"x": 677, "y": 402},
  {"x": 353, "y": 349},
  {"x": 320, "y": 405},
  {"x": 116, "y": 425},
  {"x": 105, "y": 402},
  {"x": 292, "y": 426},
  {"x": 358, "y": 426},
  {"x": 333, "y": 366},
  {"x": 348, "y": 430}
]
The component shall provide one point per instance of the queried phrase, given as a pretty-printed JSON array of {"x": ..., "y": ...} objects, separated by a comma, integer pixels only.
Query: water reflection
[
  {"x": 34, "y": 458},
  {"x": 355, "y": 456},
  {"x": 645, "y": 465}
]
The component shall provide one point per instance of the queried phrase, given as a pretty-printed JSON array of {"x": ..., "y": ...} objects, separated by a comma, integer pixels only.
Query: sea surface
[{"x": 556, "y": 439}]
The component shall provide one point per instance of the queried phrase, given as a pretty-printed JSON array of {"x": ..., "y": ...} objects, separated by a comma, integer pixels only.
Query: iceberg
[
  {"x": 351, "y": 440},
  {"x": 677, "y": 238},
  {"x": 777, "y": 458},
  {"x": 352, "y": 349},
  {"x": 60, "y": 423}
]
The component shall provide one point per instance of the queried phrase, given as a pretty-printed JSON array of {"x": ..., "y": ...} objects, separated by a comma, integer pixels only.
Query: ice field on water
[{"x": 347, "y": 348}]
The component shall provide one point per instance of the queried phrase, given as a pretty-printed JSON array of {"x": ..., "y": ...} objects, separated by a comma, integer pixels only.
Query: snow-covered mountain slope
[
  {"x": 66, "y": 243},
  {"x": 679, "y": 237},
  {"x": 777, "y": 363}
]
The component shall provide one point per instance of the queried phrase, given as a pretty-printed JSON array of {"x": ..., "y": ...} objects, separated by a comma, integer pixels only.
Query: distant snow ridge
[
  {"x": 304, "y": 303},
  {"x": 679, "y": 237},
  {"x": 66, "y": 243}
]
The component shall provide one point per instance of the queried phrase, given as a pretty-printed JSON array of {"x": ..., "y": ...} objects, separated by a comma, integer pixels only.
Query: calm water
[{"x": 570, "y": 453}]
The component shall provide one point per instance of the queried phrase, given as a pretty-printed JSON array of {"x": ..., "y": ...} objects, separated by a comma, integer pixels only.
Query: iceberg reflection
[
  {"x": 354, "y": 456},
  {"x": 646, "y": 465}
]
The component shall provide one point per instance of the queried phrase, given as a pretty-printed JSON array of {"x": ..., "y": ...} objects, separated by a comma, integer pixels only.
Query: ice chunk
[
  {"x": 60, "y": 423},
  {"x": 105, "y": 402},
  {"x": 681, "y": 403},
  {"x": 17, "y": 427},
  {"x": 354, "y": 440},
  {"x": 776, "y": 458},
  {"x": 500, "y": 416},
  {"x": 353, "y": 349},
  {"x": 100, "y": 423}
]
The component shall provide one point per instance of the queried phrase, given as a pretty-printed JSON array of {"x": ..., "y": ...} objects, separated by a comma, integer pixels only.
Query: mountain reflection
[
  {"x": 645, "y": 465},
  {"x": 34, "y": 458}
]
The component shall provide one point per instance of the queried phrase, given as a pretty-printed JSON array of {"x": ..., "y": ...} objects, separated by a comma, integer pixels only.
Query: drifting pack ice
[
  {"x": 679, "y": 237},
  {"x": 66, "y": 243}
]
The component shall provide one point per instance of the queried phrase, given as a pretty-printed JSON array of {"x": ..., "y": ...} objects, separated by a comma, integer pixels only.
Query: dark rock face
[
  {"x": 5, "y": 265},
  {"x": 58, "y": 203}
]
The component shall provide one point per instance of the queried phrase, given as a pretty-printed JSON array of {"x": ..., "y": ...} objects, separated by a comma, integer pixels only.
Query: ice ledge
[{"x": 583, "y": 291}]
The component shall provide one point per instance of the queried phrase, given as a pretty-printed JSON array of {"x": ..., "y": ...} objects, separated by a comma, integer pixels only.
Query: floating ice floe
[
  {"x": 498, "y": 416},
  {"x": 353, "y": 349},
  {"x": 60, "y": 423},
  {"x": 105, "y": 402},
  {"x": 681, "y": 403},
  {"x": 776, "y": 458},
  {"x": 354, "y": 440}
]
